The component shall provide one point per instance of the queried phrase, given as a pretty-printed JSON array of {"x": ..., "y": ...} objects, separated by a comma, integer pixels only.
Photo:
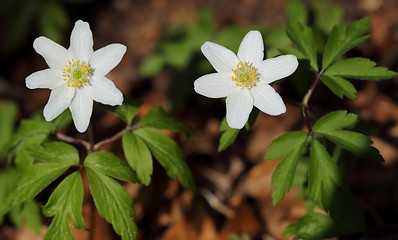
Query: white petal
[
  {"x": 267, "y": 100},
  {"x": 251, "y": 48},
  {"x": 239, "y": 106},
  {"x": 82, "y": 108},
  {"x": 48, "y": 78},
  {"x": 60, "y": 99},
  {"x": 105, "y": 91},
  {"x": 222, "y": 59},
  {"x": 214, "y": 85},
  {"x": 81, "y": 41},
  {"x": 277, "y": 68},
  {"x": 55, "y": 55},
  {"x": 105, "y": 59}
]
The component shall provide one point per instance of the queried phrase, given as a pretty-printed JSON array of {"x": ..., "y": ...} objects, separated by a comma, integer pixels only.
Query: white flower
[
  {"x": 76, "y": 75},
  {"x": 244, "y": 78}
]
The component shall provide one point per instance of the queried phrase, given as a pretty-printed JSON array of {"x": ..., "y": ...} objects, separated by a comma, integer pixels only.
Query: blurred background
[{"x": 163, "y": 59}]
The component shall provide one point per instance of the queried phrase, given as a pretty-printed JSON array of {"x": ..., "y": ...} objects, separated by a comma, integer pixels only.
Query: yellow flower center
[
  {"x": 77, "y": 74},
  {"x": 246, "y": 76}
]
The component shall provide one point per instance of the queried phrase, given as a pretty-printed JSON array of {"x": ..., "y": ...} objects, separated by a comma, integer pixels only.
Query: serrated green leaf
[
  {"x": 113, "y": 204},
  {"x": 158, "y": 118},
  {"x": 66, "y": 201},
  {"x": 53, "y": 159},
  {"x": 312, "y": 226},
  {"x": 59, "y": 229},
  {"x": 8, "y": 113},
  {"x": 138, "y": 156},
  {"x": 28, "y": 214},
  {"x": 339, "y": 86},
  {"x": 285, "y": 144},
  {"x": 329, "y": 190},
  {"x": 297, "y": 11},
  {"x": 169, "y": 155},
  {"x": 109, "y": 164},
  {"x": 327, "y": 15},
  {"x": 293, "y": 51},
  {"x": 304, "y": 38},
  {"x": 292, "y": 145},
  {"x": 128, "y": 110},
  {"x": 342, "y": 39},
  {"x": 359, "y": 68},
  {"x": 228, "y": 135},
  {"x": 334, "y": 121}
]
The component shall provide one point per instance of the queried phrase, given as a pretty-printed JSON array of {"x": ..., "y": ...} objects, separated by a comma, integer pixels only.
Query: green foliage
[
  {"x": 53, "y": 19},
  {"x": 340, "y": 86},
  {"x": 8, "y": 113},
  {"x": 343, "y": 38},
  {"x": 158, "y": 118},
  {"x": 128, "y": 110},
  {"x": 109, "y": 164},
  {"x": 228, "y": 135},
  {"x": 312, "y": 226},
  {"x": 52, "y": 160},
  {"x": 169, "y": 155},
  {"x": 327, "y": 14},
  {"x": 304, "y": 38},
  {"x": 113, "y": 203},
  {"x": 28, "y": 214},
  {"x": 138, "y": 156},
  {"x": 328, "y": 189},
  {"x": 8, "y": 182},
  {"x": 297, "y": 11},
  {"x": 65, "y": 202},
  {"x": 359, "y": 68},
  {"x": 291, "y": 145}
]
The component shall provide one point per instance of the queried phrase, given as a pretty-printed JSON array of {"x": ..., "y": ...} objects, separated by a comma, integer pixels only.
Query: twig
[
  {"x": 306, "y": 99},
  {"x": 72, "y": 140}
]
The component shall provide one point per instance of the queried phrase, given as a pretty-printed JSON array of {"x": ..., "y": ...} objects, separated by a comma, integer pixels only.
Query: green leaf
[
  {"x": 342, "y": 39},
  {"x": 169, "y": 155},
  {"x": 291, "y": 145},
  {"x": 359, "y": 68},
  {"x": 28, "y": 214},
  {"x": 312, "y": 226},
  {"x": 330, "y": 127},
  {"x": 327, "y": 15},
  {"x": 113, "y": 203},
  {"x": 53, "y": 159},
  {"x": 293, "y": 51},
  {"x": 108, "y": 163},
  {"x": 285, "y": 144},
  {"x": 329, "y": 190},
  {"x": 152, "y": 65},
  {"x": 304, "y": 38},
  {"x": 228, "y": 135},
  {"x": 65, "y": 201},
  {"x": 29, "y": 128},
  {"x": 339, "y": 86},
  {"x": 335, "y": 120},
  {"x": 158, "y": 118},
  {"x": 8, "y": 183},
  {"x": 138, "y": 156},
  {"x": 8, "y": 113},
  {"x": 128, "y": 110},
  {"x": 297, "y": 11}
]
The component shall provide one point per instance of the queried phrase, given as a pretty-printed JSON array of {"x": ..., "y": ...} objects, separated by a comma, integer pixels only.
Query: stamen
[
  {"x": 77, "y": 74},
  {"x": 246, "y": 75}
]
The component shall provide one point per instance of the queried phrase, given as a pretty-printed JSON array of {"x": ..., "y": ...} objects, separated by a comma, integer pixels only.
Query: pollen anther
[
  {"x": 77, "y": 74},
  {"x": 245, "y": 75}
]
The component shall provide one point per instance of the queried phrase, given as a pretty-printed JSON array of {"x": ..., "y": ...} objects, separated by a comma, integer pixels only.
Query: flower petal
[
  {"x": 82, "y": 108},
  {"x": 105, "y": 92},
  {"x": 60, "y": 99},
  {"x": 277, "y": 68},
  {"x": 251, "y": 48},
  {"x": 47, "y": 78},
  {"x": 54, "y": 54},
  {"x": 267, "y": 100},
  {"x": 81, "y": 41},
  {"x": 222, "y": 59},
  {"x": 105, "y": 59},
  {"x": 214, "y": 85},
  {"x": 239, "y": 106}
]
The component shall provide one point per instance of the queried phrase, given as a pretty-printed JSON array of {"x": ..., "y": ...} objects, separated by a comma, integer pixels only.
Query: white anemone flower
[
  {"x": 76, "y": 76},
  {"x": 244, "y": 79}
]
